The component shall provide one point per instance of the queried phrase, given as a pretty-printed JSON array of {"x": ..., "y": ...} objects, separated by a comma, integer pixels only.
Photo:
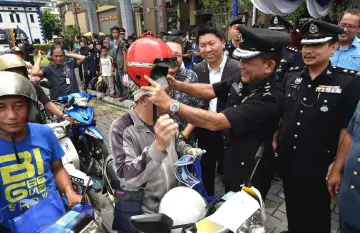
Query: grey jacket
[{"x": 138, "y": 161}]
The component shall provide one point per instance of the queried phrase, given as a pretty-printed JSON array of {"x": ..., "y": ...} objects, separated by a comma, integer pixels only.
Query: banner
[{"x": 316, "y": 8}]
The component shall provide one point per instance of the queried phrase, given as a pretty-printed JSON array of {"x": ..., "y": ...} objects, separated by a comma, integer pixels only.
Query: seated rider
[
  {"x": 145, "y": 154},
  {"x": 14, "y": 63},
  {"x": 30, "y": 153}
]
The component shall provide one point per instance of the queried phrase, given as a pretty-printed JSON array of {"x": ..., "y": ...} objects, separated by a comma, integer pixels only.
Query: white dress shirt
[{"x": 215, "y": 76}]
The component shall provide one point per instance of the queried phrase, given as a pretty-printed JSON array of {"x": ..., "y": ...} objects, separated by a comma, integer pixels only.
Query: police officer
[
  {"x": 235, "y": 40},
  {"x": 92, "y": 64},
  {"x": 349, "y": 196},
  {"x": 254, "y": 107},
  {"x": 291, "y": 55},
  {"x": 319, "y": 102}
]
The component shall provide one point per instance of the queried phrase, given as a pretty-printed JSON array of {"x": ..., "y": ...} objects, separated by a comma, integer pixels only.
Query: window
[
  {"x": 18, "y": 18},
  {"x": 12, "y": 18},
  {"x": 32, "y": 18},
  {"x": 1, "y": 18}
]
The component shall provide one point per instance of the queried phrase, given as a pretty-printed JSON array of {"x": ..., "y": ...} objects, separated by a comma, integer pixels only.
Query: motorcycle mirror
[{"x": 152, "y": 223}]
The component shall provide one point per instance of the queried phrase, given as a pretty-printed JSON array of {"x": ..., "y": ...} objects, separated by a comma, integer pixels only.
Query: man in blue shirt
[
  {"x": 30, "y": 155},
  {"x": 348, "y": 161},
  {"x": 348, "y": 53}
]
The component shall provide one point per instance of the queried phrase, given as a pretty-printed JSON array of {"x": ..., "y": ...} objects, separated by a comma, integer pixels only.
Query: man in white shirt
[
  {"x": 106, "y": 70},
  {"x": 215, "y": 67}
]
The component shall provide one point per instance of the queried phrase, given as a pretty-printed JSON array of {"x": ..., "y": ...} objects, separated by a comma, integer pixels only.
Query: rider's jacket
[
  {"x": 138, "y": 162},
  {"x": 32, "y": 178}
]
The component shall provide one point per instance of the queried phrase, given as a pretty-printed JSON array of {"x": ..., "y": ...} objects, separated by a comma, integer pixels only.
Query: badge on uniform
[
  {"x": 324, "y": 108},
  {"x": 298, "y": 80},
  {"x": 237, "y": 87},
  {"x": 328, "y": 89}
]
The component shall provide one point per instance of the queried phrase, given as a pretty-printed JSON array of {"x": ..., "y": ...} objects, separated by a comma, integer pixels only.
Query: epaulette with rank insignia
[
  {"x": 295, "y": 69},
  {"x": 292, "y": 49},
  {"x": 345, "y": 71}
]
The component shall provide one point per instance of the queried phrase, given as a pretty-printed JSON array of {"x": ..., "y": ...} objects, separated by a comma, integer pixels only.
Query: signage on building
[{"x": 112, "y": 17}]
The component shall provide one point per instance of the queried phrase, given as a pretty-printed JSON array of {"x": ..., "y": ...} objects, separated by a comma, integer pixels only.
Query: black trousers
[
  {"x": 307, "y": 204},
  {"x": 81, "y": 74},
  {"x": 88, "y": 78},
  {"x": 212, "y": 143}
]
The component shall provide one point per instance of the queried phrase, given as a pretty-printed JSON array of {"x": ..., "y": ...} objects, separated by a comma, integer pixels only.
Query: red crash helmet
[{"x": 151, "y": 57}]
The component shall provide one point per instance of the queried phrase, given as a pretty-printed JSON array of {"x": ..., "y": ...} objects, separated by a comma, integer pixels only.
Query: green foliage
[
  {"x": 52, "y": 24},
  {"x": 70, "y": 33},
  {"x": 43, "y": 47},
  {"x": 222, "y": 9},
  {"x": 301, "y": 12},
  {"x": 339, "y": 7}
]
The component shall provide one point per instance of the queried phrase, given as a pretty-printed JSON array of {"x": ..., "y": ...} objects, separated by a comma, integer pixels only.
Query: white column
[
  {"x": 92, "y": 16},
  {"x": 126, "y": 16}
]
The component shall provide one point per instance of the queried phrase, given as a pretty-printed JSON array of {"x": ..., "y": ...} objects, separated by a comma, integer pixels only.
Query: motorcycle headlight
[
  {"x": 81, "y": 101},
  {"x": 256, "y": 223}
]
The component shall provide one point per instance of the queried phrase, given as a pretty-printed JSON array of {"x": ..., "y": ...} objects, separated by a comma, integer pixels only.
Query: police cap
[
  {"x": 280, "y": 23},
  {"x": 90, "y": 42},
  {"x": 241, "y": 19},
  {"x": 257, "y": 41},
  {"x": 318, "y": 32},
  {"x": 122, "y": 30}
]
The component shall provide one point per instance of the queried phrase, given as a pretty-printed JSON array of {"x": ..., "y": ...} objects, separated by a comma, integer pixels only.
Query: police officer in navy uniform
[
  {"x": 235, "y": 41},
  {"x": 253, "y": 110},
  {"x": 291, "y": 55},
  {"x": 319, "y": 102}
]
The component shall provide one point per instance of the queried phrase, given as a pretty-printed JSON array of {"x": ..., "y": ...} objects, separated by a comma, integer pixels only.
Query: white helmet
[{"x": 183, "y": 205}]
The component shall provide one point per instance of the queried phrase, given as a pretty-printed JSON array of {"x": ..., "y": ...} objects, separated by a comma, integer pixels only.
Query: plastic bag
[{"x": 125, "y": 80}]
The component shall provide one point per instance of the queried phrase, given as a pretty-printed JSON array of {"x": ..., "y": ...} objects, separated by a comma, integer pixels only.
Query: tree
[
  {"x": 300, "y": 12},
  {"x": 51, "y": 23},
  {"x": 222, "y": 9}
]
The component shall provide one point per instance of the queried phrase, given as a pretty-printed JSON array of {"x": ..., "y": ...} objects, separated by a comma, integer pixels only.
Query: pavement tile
[
  {"x": 270, "y": 207},
  {"x": 274, "y": 198},
  {"x": 334, "y": 216},
  {"x": 282, "y": 207},
  {"x": 280, "y": 215}
]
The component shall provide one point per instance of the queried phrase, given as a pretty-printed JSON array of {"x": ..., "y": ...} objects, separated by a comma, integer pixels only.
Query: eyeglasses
[{"x": 349, "y": 26}]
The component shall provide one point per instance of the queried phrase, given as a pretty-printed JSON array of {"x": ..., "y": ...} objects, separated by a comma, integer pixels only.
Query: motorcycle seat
[{"x": 110, "y": 172}]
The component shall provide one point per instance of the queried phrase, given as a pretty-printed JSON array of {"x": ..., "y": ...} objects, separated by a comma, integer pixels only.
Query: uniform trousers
[{"x": 307, "y": 204}]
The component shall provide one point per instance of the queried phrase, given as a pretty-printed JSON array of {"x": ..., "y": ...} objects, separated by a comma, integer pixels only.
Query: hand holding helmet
[
  {"x": 157, "y": 94},
  {"x": 165, "y": 129}
]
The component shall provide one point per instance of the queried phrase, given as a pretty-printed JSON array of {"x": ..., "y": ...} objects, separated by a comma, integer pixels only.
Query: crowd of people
[{"x": 293, "y": 91}]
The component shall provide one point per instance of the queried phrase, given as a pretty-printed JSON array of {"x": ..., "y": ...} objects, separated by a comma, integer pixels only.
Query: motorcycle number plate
[{"x": 77, "y": 180}]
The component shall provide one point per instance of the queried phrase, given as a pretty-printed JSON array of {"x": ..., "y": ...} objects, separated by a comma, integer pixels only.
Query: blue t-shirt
[{"x": 33, "y": 177}]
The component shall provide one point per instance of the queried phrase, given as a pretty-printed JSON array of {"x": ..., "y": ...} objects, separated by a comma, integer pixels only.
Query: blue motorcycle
[{"x": 87, "y": 139}]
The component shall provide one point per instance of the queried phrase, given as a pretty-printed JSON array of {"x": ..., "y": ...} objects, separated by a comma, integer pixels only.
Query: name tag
[
  {"x": 67, "y": 81},
  {"x": 328, "y": 89}
]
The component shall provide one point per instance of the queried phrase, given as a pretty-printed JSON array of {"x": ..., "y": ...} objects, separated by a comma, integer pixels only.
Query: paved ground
[{"x": 109, "y": 109}]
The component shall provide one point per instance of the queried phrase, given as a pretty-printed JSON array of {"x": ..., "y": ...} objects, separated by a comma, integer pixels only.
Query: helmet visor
[{"x": 166, "y": 62}]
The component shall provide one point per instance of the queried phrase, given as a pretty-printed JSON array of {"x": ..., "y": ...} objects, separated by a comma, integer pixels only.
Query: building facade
[
  {"x": 24, "y": 17},
  {"x": 50, "y": 5}
]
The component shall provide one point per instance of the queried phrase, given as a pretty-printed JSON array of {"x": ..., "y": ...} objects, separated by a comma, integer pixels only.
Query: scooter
[
  {"x": 87, "y": 139},
  {"x": 80, "y": 180},
  {"x": 241, "y": 212}
]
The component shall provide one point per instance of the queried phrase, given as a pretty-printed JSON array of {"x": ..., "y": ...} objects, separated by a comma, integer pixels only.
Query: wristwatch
[{"x": 174, "y": 107}]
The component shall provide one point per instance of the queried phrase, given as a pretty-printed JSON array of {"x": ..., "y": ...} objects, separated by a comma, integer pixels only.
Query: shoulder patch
[{"x": 341, "y": 70}]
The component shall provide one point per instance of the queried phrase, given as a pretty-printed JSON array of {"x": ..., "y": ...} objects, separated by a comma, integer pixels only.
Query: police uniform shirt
[
  {"x": 291, "y": 58},
  {"x": 349, "y": 196},
  {"x": 229, "y": 49},
  {"x": 315, "y": 112},
  {"x": 253, "y": 112}
]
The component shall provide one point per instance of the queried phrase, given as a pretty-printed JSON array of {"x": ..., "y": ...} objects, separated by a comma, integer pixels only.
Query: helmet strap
[{"x": 15, "y": 149}]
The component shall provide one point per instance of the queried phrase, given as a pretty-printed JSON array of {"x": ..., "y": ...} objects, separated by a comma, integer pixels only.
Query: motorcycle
[
  {"x": 240, "y": 212},
  {"x": 87, "y": 139},
  {"x": 80, "y": 180}
]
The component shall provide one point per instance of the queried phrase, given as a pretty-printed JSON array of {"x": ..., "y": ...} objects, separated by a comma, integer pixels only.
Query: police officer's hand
[
  {"x": 157, "y": 94},
  {"x": 333, "y": 183},
  {"x": 172, "y": 82},
  {"x": 165, "y": 128}
]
